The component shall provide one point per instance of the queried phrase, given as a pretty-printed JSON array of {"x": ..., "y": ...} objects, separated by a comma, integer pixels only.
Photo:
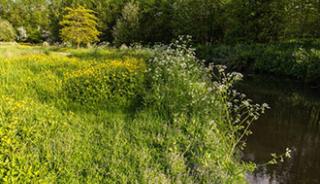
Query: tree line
[{"x": 150, "y": 21}]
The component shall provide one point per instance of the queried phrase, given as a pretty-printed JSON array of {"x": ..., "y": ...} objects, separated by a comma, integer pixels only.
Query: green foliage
[
  {"x": 150, "y": 21},
  {"x": 201, "y": 19},
  {"x": 296, "y": 60},
  {"x": 7, "y": 32},
  {"x": 177, "y": 80},
  {"x": 79, "y": 26},
  {"x": 30, "y": 14},
  {"x": 264, "y": 21},
  {"x": 126, "y": 30},
  {"x": 117, "y": 84},
  {"x": 181, "y": 91}
]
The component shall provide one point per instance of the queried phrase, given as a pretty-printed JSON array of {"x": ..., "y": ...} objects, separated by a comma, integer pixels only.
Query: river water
[{"x": 292, "y": 122}]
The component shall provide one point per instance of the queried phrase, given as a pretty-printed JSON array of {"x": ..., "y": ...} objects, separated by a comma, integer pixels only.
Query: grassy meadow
[
  {"x": 144, "y": 91},
  {"x": 108, "y": 115}
]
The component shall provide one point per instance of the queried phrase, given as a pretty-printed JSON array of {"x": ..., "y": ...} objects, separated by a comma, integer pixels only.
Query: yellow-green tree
[{"x": 79, "y": 26}]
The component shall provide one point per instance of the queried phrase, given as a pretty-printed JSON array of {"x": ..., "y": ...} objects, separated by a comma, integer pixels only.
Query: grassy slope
[{"x": 44, "y": 139}]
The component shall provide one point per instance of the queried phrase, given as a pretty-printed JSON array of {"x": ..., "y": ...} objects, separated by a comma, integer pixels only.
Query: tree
[
  {"x": 302, "y": 19},
  {"x": 32, "y": 15},
  {"x": 202, "y": 19},
  {"x": 79, "y": 26},
  {"x": 7, "y": 32},
  {"x": 126, "y": 29},
  {"x": 156, "y": 21}
]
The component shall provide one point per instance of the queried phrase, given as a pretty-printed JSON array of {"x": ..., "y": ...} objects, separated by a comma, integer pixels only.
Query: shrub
[
  {"x": 7, "y": 32},
  {"x": 296, "y": 60},
  {"x": 177, "y": 79},
  {"x": 114, "y": 84},
  {"x": 201, "y": 114},
  {"x": 313, "y": 66}
]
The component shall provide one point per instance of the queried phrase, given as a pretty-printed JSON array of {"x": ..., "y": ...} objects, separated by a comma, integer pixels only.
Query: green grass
[{"x": 46, "y": 138}]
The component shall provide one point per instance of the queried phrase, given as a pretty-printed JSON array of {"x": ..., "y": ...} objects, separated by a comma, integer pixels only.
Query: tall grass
[{"x": 56, "y": 128}]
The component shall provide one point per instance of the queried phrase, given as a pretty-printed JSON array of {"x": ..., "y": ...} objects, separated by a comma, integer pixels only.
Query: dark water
[{"x": 293, "y": 122}]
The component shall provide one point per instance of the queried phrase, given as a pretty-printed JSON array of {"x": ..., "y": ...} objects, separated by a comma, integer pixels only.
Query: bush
[
  {"x": 177, "y": 80},
  {"x": 115, "y": 84},
  {"x": 298, "y": 60},
  {"x": 199, "y": 113},
  {"x": 7, "y": 32}
]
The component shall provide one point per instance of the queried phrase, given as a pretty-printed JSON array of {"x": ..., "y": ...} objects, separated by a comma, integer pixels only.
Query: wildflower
[
  {"x": 288, "y": 153},
  {"x": 246, "y": 103},
  {"x": 221, "y": 68}
]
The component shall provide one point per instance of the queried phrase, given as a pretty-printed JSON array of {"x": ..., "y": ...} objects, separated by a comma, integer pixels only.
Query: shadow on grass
[
  {"x": 101, "y": 54},
  {"x": 110, "y": 54}
]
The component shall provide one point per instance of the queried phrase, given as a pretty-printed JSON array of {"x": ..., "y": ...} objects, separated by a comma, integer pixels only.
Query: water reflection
[{"x": 294, "y": 122}]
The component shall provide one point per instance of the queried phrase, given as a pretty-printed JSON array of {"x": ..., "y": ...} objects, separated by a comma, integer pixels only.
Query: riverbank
[
  {"x": 115, "y": 116},
  {"x": 296, "y": 60}
]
